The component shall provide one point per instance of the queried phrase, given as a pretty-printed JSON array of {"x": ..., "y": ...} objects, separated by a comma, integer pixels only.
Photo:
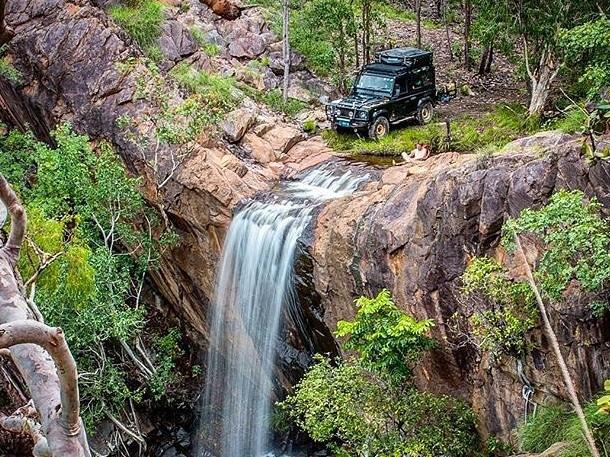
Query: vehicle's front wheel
[
  {"x": 425, "y": 113},
  {"x": 379, "y": 128}
]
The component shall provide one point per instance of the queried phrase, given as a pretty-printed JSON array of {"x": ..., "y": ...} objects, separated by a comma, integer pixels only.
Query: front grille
[{"x": 346, "y": 112}]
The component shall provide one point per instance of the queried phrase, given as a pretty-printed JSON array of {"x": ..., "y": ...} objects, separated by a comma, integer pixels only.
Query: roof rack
[{"x": 404, "y": 56}]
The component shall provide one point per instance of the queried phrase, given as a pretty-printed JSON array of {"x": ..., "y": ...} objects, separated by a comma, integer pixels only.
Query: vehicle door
[
  {"x": 400, "y": 99},
  {"x": 420, "y": 81}
]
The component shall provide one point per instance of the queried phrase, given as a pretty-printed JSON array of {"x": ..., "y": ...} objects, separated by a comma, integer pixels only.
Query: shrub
[
  {"x": 553, "y": 424},
  {"x": 387, "y": 339},
  {"x": 355, "y": 413},
  {"x": 573, "y": 120},
  {"x": 310, "y": 125},
  {"x": 577, "y": 243},
  {"x": 142, "y": 20},
  {"x": 9, "y": 72},
  {"x": 501, "y": 329}
]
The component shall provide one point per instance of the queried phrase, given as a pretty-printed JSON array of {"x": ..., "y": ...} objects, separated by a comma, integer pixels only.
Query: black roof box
[{"x": 404, "y": 56}]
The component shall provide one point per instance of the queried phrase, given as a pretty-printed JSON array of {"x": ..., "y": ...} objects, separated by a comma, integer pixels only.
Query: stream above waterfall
[{"x": 254, "y": 288}]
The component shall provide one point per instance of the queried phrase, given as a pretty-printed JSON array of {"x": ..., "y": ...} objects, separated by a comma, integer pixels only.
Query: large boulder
[
  {"x": 260, "y": 150},
  {"x": 176, "y": 41},
  {"x": 282, "y": 138},
  {"x": 248, "y": 45},
  {"x": 237, "y": 123}
]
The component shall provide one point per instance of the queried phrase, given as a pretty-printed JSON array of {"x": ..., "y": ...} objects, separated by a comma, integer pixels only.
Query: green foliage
[
  {"x": 88, "y": 218},
  {"x": 387, "y": 340},
  {"x": 216, "y": 95},
  {"x": 468, "y": 134},
  {"x": 142, "y": 20},
  {"x": 576, "y": 239},
  {"x": 9, "y": 72},
  {"x": 275, "y": 101},
  {"x": 310, "y": 125},
  {"x": 587, "y": 47},
  {"x": 167, "y": 351},
  {"x": 501, "y": 329},
  {"x": 357, "y": 414},
  {"x": 604, "y": 402},
  {"x": 574, "y": 120},
  {"x": 553, "y": 424}
]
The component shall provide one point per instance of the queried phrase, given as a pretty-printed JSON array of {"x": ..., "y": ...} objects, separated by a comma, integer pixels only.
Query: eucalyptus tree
[{"x": 535, "y": 29}]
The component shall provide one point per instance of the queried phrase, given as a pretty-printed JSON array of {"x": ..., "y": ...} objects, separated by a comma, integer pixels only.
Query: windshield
[{"x": 377, "y": 83}]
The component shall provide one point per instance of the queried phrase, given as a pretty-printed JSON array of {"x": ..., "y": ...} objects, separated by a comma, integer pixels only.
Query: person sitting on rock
[{"x": 421, "y": 152}]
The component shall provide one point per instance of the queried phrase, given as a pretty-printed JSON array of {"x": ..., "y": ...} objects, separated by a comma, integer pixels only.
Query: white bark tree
[
  {"x": 40, "y": 354},
  {"x": 550, "y": 333},
  {"x": 286, "y": 48}
]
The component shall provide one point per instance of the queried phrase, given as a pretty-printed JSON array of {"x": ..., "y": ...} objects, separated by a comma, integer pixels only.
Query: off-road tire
[
  {"x": 425, "y": 113},
  {"x": 379, "y": 128}
]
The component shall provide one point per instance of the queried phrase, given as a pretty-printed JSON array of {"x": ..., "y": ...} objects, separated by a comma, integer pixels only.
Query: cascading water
[{"x": 255, "y": 284}]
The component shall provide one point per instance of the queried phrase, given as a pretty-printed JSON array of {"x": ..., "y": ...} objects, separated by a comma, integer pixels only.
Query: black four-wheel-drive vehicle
[{"x": 400, "y": 85}]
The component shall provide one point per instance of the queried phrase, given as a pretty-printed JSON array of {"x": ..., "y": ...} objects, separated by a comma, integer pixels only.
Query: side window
[
  {"x": 400, "y": 87},
  {"x": 421, "y": 77}
]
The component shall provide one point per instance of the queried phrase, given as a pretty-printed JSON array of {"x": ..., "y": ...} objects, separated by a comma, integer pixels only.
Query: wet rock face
[{"x": 414, "y": 233}]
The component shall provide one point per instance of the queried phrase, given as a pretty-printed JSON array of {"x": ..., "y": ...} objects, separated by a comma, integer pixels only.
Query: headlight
[
  {"x": 363, "y": 114},
  {"x": 351, "y": 114}
]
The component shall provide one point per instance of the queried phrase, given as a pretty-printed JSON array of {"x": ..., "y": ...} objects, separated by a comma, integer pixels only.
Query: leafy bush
[
  {"x": 356, "y": 413},
  {"x": 573, "y": 120},
  {"x": 9, "y": 72},
  {"x": 310, "y": 125},
  {"x": 142, "y": 20},
  {"x": 501, "y": 329},
  {"x": 554, "y": 424},
  {"x": 588, "y": 46},
  {"x": 387, "y": 340},
  {"x": 577, "y": 243},
  {"x": 88, "y": 217},
  {"x": 217, "y": 94}
]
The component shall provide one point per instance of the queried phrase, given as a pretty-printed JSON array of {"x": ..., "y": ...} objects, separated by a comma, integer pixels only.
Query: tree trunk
[
  {"x": 286, "y": 49},
  {"x": 447, "y": 34},
  {"x": 486, "y": 59},
  {"x": 467, "y": 26},
  {"x": 52, "y": 382},
  {"x": 541, "y": 79},
  {"x": 366, "y": 31},
  {"x": 418, "y": 22},
  {"x": 550, "y": 334}
]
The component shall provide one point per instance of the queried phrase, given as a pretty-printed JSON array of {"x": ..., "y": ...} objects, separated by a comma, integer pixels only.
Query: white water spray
[{"x": 255, "y": 284}]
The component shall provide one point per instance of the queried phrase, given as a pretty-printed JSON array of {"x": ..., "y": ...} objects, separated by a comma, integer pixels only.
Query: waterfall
[{"x": 254, "y": 284}]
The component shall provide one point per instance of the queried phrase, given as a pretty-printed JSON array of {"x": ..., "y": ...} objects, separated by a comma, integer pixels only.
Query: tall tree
[
  {"x": 41, "y": 355},
  {"x": 467, "y": 26},
  {"x": 286, "y": 47},
  {"x": 418, "y": 22},
  {"x": 535, "y": 28}
]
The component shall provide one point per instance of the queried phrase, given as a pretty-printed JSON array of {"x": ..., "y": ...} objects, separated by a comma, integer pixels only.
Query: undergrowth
[
  {"x": 142, "y": 20},
  {"x": 468, "y": 134},
  {"x": 554, "y": 424}
]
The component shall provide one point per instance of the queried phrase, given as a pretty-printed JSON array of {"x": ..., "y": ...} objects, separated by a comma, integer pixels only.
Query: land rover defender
[{"x": 399, "y": 85}]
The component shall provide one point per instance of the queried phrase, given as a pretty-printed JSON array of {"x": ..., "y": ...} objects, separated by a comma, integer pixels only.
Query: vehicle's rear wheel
[
  {"x": 379, "y": 128},
  {"x": 425, "y": 113}
]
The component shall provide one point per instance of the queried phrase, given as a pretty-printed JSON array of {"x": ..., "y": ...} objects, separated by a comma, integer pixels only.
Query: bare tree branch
[
  {"x": 550, "y": 333},
  {"x": 18, "y": 221}
]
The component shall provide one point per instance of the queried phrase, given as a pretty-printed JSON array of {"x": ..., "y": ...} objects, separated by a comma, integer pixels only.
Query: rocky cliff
[
  {"x": 412, "y": 229},
  {"x": 414, "y": 232}
]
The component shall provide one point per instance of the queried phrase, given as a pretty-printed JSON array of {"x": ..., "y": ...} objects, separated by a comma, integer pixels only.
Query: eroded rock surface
[{"x": 414, "y": 232}]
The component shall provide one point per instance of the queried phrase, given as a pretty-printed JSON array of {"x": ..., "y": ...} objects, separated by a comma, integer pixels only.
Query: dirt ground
[{"x": 498, "y": 87}]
